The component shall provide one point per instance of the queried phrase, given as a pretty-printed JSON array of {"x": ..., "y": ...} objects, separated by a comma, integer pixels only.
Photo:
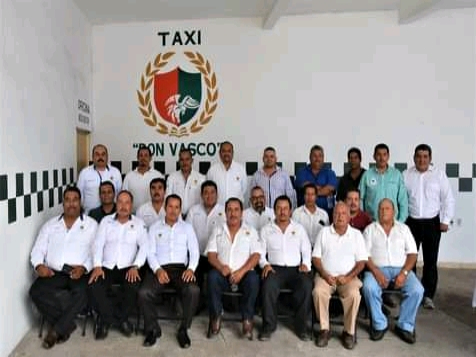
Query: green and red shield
[{"x": 177, "y": 95}]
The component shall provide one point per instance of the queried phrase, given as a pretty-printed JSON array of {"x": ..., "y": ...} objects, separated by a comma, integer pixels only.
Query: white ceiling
[{"x": 100, "y": 12}]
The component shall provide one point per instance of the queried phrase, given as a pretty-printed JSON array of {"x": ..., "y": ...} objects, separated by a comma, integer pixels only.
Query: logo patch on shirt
[
  {"x": 237, "y": 178},
  {"x": 373, "y": 181}
]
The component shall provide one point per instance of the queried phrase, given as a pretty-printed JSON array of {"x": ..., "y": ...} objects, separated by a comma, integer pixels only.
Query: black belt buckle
[{"x": 67, "y": 269}]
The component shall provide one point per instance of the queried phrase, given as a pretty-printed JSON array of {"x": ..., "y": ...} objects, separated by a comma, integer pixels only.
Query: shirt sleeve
[
  {"x": 143, "y": 242},
  {"x": 361, "y": 251},
  {"x": 88, "y": 263},
  {"x": 193, "y": 250},
  {"x": 305, "y": 249},
  {"x": 125, "y": 184},
  {"x": 262, "y": 260},
  {"x": 117, "y": 180},
  {"x": 39, "y": 250},
  {"x": 81, "y": 184},
  {"x": 317, "y": 251},
  {"x": 98, "y": 244},
  {"x": 255, "y": 246},
  {"x": 244, "y": 182},
  {"x": 368, "y": 239},
  {"x": 332, "y": 179},
  {"x": 151, "y": 254},
  {"x": 447, "y": 200},
  {"x": 402, "y": 199},
  {"x": 410, "y": 245},
  {"x": 212, "y": 242}
]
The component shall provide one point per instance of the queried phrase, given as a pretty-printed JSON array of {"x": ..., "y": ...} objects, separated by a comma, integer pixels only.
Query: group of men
[{"x": 148, "y": 234}]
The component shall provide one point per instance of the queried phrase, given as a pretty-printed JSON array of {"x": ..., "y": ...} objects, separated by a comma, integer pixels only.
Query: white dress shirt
[
  {"x": 57, "y": 245},
  {"x": 175, "y": 244},
  {"x": 339, "y": 253},
  {"x": 188, "y": 190},
  {"x": 120, "y": 245},
  {"x": 88, "y": 183},
  {"x": 147, "y": 213},
  {"x": 389, "y": 250},
  {"x": 204, "y": 223},
  {"x": 231, "y": 183},
  {"x": 139, "y": 185},
  {"x": 234, "y": 254},
  {"x": 312, "y": 222},
  {"x": 289, "y": 249},
  {"x": 429, "y": 194},
  {"x": 257, "y": 220}
]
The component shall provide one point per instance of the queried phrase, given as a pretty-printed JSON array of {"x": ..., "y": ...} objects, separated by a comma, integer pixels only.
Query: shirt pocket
[
  {"x": 432, "y": 191},
  {"x": 274, "y": 245}
]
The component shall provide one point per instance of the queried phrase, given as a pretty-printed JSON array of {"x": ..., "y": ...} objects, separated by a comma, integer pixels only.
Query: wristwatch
[{"x": 405, "y": 272}]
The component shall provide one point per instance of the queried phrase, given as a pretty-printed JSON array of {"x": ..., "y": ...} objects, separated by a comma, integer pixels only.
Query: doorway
[{"x": 82, "y": 149}]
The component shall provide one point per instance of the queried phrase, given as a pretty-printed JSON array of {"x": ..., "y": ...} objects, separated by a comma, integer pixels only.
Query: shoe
[
  {"x": 50, "y": 339},
  {"x": 101, "y": 331},
  {"x": 323, "y": 338},
  {"x": 348, "y": 340},
  {"x": 248, "y": 329},
  {"x": 264, "y": 335},
  {"x": 407, "y": 336},
  {"x": 126, "y": 328},
  {"x": 151, "y": 338},
  {"x": 214, "y": 326},
  {"x": 303, "y": 335},
  {"x": 64, "y": 338},
  {"x": 377, "y": 335},
  {"x": 182, "y": 338},
  {"x": 428, "y": 303}
]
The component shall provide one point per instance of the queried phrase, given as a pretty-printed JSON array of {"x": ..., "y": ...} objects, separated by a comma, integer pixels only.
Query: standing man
[
  {"x": 173, "y": 257},
  {"x": 431, "y": 208},
  {"x": 229, "y": 175},
  {"x": 323, "y": 178},
  {"x": 358, "y": 219},
  {"x": 286, "y": 263},
  {"x": 137, "y": 181},
  {"x": 309, "y": 215},
  {"x": 91, "y": 177},
  {"x": 61, "y": 257},
  {"x": 233, "y": 252},
  {"x": 185, "y": 182},
  {"x": 273, "y": 180},
  {"x": 383, "y": 181},
  {"x": 257, "y": 215},
  {"x": 119, "y": 250},
  {"x": 153, "y": 211},
  {"x": 351, "y": 179},
  {"x": 338, "y": 256},
  {"x": 107, "y": 194},
  {"x": 392, "y": 255}
]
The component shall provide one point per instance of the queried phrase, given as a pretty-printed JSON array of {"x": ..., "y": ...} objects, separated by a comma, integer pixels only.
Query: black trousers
[
  {"x": 114, "y": 307},
  {"x": 59, "y": 299},
  {"x": 286, "y": 278},
  {"x": 427, "y": 233},
  {"x": 151, "y": 289}
]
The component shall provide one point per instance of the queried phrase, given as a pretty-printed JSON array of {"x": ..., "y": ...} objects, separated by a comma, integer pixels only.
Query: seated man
[
  {"x": 233, "y": 252},
  {"x": 61, "y": 257},
  {"x": 358, "y": 219},
  {"x": 153, "y": 211},
  {"x": 392, "y": 254},
  {"x": 286, "y": 263},
  {"x": 257, "y": 215},
  {"x": 173, "y": 257},
  {"x": 339, "y": 256},
  {"x": 108, "y": 206},
  {"x": 119, "y": 250},
  {"x": 310, "y": 215}
]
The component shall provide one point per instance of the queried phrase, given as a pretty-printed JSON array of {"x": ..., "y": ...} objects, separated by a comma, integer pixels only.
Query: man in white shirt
[
  {"x": 233, "y": 252},
  {"x": 229, "y": 175},
  {"x": 138, "y": 181},
  {"x": 173, "y": 257},
  {"x": 273, "y": 180},
  {"x": 286, "y": 263},
  {"x": 153, "y": 211},
  {"x": 431, "y": 207},
  {"x": 392, "y": 254},
  {"x": 312, "y": 217},
  {"x": 119, "y": 250},
  {"x": 339, "y": 256},
  {"x": 204, "y": 217},
  {"x": 185, "y": 182},
  {"x": 90, "y": 177},
  {"x": 108, "y": 204},
  {"x": 61, "y": 257},
  {"x": 257, "y": 215}
]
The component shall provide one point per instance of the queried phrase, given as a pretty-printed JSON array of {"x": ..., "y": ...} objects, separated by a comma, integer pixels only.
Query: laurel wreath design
[{"x": 144, "y": 94}]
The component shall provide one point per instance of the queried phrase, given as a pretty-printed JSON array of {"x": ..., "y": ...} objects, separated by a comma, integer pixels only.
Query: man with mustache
[
  {"x": 154, "y": 210},
  {"x": 91, "y": 177}
]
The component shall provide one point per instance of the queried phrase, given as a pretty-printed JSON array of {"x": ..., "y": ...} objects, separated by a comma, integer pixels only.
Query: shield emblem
[{"x": 177, "y": 95}]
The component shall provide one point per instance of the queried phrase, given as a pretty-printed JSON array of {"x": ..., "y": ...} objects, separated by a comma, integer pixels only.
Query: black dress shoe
[
  {"x": 407, "y": 336},
  {"x": 264, "y": 335},
  {"x": 182, "y": 338},
  {"x": 50, "y": 339},
  {"x": 151, "y": 338},
  {"x": 303, "y": 335},
  {"x": 65, "y": 337},
  {"x": 101, "y": 331},
  {"x": 377, "y": 335},
  {"x": 126, "y": 328}
]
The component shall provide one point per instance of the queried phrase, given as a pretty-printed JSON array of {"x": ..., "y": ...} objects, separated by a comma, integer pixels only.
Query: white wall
[{"x": 45, "y": 68}]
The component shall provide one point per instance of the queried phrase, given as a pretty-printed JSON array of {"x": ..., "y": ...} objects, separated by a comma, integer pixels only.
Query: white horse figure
[{"x": 177, "y": 108}]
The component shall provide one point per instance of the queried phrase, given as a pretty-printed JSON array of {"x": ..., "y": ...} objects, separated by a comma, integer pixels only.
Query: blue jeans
[
  {"x": 248, "y": 286},
  {"x": 412, "y": 292}
]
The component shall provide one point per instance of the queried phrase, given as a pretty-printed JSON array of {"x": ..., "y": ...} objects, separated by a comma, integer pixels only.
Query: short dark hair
[
  {"x": 143, "y": 147},
  {"x": 126, "y": 192},
  {"x": 282, "y": 198},
  {"x": 184, "y": 149},
  {"x": 158, "y": 179},
  {"x": 107, "y": 183},
  {"x": 381, "y": 146},
  {"x": 72, "y": 189},
  {"x": 256, "y": 188},
  {"x": 316, "y": 148},
  {"x": 227, "y": 142},
  {"x": 173, "y": 196},
  {"x": 99, "y": 146},
  {"x": 355, "y": 151},
  {"x": 423, "y": 147},
  {"x": 208, "y": 183},
  {"x": 352, "y": 190},
  {"x": 233, "y": 199},
  {"x": 269, "y": 148},
  {"x": 309, "y": 185}
]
